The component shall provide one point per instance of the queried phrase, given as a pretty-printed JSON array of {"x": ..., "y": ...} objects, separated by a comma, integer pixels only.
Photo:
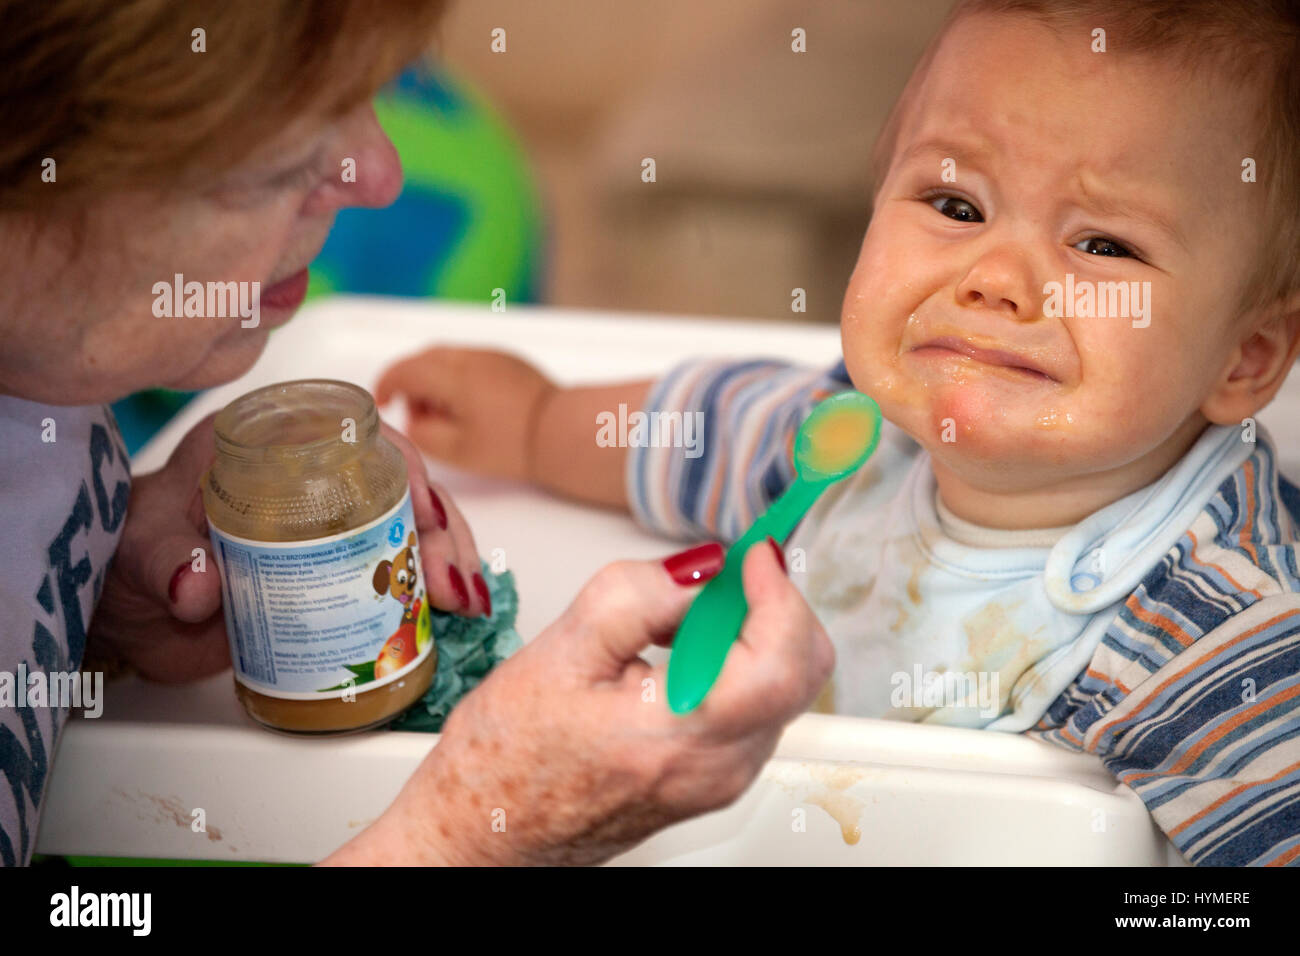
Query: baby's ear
[
  {"x": 381, "y": 576},
  {"x": 1259, "y": 364}
]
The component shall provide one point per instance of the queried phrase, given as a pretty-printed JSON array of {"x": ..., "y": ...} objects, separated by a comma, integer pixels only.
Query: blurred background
[
  {"x": 524, "y": 144},
  {"x": 760, "y": 152}
]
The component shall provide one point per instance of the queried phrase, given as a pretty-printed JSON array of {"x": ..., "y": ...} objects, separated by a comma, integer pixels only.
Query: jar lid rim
[{"x": 233, "y": 415}]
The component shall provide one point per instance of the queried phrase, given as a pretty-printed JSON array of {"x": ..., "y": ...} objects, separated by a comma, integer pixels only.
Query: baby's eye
[
  {"x": 956, "y": 208},
  {"x": 1097, "y": 246}
]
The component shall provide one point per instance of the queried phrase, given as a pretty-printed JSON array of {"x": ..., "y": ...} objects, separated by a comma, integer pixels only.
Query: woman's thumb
[
  {"x": 181, "y": 573},
  {"x": 632, "y": 604}
]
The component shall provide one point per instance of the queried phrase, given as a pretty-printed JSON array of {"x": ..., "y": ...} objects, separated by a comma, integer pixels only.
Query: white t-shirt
[
  {"x": 941, "y": 621},
  {"x": 65, "y": 481}
]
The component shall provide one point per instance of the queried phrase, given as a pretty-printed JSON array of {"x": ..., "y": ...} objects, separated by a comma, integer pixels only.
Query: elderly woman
[{"x": 140, "y": 139}]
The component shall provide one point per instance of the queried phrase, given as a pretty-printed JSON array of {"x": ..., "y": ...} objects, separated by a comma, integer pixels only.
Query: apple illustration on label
[{"x": 398, "y": 651}]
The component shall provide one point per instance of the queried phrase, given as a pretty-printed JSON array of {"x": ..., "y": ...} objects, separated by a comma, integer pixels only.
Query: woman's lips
[
  {"x": 995, "y": 357},
  {"x": 287, "y": 293}
]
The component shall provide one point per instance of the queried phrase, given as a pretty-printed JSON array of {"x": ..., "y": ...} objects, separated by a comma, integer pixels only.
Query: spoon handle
[
  {"x": 784, "y": 514},
  {"x": 713, "y": 622}
]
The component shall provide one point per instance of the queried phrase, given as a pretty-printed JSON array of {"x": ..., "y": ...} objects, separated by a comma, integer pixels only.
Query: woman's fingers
[
  {"x": 164, "y": 539},
  {"x": 626, "y": 607},
  {"x": 466, "y": 555},
  {"x": 446, "y": 546},
  {"x": 448, "y": 589},
  {"x": 159, "y": 555},
  {"x": 781, "y": 661}
]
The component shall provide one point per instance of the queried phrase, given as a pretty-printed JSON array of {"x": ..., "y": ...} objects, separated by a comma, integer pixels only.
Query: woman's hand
[
  {"x": 160, "y": 609},
  {"x": 568, "y": 753},
  {"x": 476, "y": 409},
  {"x": 157, "y": 614}
]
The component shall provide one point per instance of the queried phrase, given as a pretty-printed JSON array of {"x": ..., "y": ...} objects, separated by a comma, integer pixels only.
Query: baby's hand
[{"x": 476, "y": 409}]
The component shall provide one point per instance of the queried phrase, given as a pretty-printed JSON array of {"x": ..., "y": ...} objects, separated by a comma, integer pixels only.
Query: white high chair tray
[{"x": 839, "y": 791}]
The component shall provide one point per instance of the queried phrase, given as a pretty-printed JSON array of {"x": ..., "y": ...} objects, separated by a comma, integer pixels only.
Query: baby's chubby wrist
[{"x": 536, "y": 422}]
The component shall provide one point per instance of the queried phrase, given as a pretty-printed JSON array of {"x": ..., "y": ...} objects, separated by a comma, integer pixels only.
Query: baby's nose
[{"x": 1000, "y": 280}]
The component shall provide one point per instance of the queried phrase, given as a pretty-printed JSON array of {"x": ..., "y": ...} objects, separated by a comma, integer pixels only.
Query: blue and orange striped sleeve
[
  {"x": 1211, "y": 741},
  {"x": 1192, "y": 699},
  {"x": 738, "y": 421}
]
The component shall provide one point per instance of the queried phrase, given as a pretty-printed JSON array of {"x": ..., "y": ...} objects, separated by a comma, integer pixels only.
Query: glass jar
[{"x": 312, "y": 528}]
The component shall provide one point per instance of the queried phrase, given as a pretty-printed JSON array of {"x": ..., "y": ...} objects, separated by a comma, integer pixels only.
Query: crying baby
[{"x": 1072, "y": 527}]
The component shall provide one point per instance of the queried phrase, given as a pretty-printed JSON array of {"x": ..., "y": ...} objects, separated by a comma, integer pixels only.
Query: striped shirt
[{"x": 1188, "y": 686}]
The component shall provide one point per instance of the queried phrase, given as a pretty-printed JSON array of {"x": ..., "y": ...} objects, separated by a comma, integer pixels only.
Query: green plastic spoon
[{"x": 836, "y": 438}]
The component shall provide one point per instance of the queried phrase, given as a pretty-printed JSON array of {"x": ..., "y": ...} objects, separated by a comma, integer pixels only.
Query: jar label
[{"x": 329, "y": 617}]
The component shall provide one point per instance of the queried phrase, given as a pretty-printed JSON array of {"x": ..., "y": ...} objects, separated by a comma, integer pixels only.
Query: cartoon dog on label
[{"x": 400, "y": 577}]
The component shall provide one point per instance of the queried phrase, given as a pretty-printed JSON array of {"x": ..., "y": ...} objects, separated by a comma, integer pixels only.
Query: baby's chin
[
  {"x": 1008, "y": 455},
  {"x": 971, "y": 429}
]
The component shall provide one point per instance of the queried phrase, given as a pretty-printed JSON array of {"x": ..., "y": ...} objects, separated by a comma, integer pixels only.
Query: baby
[{"x": 1080, "y": 283}]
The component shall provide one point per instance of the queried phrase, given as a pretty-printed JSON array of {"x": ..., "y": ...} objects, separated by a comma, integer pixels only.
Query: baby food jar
[{"x": 313, "y": 532}]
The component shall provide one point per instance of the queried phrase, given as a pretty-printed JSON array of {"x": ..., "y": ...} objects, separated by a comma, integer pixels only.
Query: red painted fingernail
[
  {"x": 696, "y": 565},
  {"x": 175, "y": 583},
  {"x": 439, "y": 511},
  {"x": 780, "y": 555},
  {"x": 481, "y": 588},
  {"x": 458, "y": 585}
]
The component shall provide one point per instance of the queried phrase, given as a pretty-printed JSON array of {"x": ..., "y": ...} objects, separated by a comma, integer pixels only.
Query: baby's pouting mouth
[{"x": 950, "y": 346}]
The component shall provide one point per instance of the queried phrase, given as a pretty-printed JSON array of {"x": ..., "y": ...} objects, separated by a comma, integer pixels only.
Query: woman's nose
[{"x": 368, "y": 170}]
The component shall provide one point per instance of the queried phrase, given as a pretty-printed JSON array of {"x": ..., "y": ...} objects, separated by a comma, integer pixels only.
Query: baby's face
[{"x": 1099, "y": 167}]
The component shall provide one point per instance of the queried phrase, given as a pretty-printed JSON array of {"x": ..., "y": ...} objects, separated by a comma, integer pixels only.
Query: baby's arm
[
  {"x": 493, "y": 414},
  {"x": 712, "y": 452},
  {"x": 563, "y": 454},
  {"x": 737, "y": 421}
]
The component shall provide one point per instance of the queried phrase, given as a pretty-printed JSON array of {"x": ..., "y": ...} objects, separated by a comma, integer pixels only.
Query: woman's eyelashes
[
  {"x": 960, "y": 209},
  {"x": 299, "y": 177},
  {"x": 249, "y": 190}
]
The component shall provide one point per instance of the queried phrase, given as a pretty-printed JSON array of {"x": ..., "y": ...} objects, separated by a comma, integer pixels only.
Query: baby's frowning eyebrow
[
  {"x": 977, "y": 151},
  {"x": 1094, "y": 199},
  {"x": 1106, "y": 204}
]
